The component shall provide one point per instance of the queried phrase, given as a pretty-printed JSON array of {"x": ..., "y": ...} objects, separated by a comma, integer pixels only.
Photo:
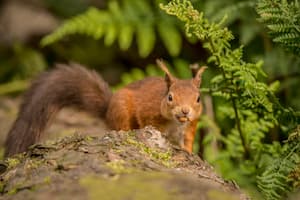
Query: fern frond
[
  {"x": 251, "y": 105},
  {"x": 232, "y": 10},
  {"x": 121, "y": 22},
  {"x": 87, "y": 23},
  {"x": 278, "y": 178},
  {"x": 287, "y": 38},
  {"x": 283, "y": 20},
  {"x": 280, "y": 28}
]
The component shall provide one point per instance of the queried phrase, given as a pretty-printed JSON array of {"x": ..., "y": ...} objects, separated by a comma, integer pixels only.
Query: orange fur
[{"x": 189, "y": 136}]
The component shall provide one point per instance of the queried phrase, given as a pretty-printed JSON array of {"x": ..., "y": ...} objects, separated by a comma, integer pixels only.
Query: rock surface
[{"x": 137, "y": 165}]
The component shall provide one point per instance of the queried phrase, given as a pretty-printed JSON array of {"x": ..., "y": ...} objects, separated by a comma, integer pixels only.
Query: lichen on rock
[{"x": 139, "y": 164}]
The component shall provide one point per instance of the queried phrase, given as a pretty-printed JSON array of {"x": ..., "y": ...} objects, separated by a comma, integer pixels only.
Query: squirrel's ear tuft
[
  {"x": 169, "y": 77},
  {"x": 197, "y": 73}
]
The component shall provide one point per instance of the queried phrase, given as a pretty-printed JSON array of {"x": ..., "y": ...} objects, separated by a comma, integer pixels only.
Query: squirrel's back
[
  {"x": 64, "y": 86},
  {"x": 137, "y": 105}
]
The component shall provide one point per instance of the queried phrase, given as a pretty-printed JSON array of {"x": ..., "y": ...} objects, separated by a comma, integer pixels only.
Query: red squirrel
[{"x": 171, "y": 105}]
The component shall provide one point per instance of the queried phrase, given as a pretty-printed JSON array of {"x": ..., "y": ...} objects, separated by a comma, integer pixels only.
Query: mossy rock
[{"x": 137, "y": 165}]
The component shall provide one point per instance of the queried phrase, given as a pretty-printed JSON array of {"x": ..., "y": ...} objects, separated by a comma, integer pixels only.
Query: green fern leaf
[
  {"x": 145, "y": 39},
  {"x": 88, "y": 23},
  {"x": 111, "y": 34},
  {"x": 121, "y": 21},
  {"x": 280, "y": 28},
  {"x": 170, "y": 37},
  {"x": 126, "y": 36},
  {"x": 283, "y": 20}
]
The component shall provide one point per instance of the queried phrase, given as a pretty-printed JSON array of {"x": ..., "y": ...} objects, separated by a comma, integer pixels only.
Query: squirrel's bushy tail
[{"x": 64, "y": 86}]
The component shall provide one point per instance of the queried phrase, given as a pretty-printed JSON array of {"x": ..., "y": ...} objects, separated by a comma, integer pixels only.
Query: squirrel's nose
[{"x": 185, "y": 110}]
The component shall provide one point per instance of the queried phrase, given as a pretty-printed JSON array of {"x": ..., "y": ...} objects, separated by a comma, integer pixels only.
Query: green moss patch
[{"x": 138, "y": 186}]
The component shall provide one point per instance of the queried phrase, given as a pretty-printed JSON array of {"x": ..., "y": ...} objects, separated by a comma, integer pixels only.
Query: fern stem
[
  {"x": 234, "y": 105},
  {"x": 238, "y": 124}
]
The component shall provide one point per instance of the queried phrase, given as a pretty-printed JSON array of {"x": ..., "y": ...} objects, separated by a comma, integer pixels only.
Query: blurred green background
[{"x": 134, "y": 39}]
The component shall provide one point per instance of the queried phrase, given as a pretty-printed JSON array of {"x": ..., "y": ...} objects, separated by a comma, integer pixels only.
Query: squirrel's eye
[
  {"x": 170, "y": 98},
  {"x": 198, "y": 99}
]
